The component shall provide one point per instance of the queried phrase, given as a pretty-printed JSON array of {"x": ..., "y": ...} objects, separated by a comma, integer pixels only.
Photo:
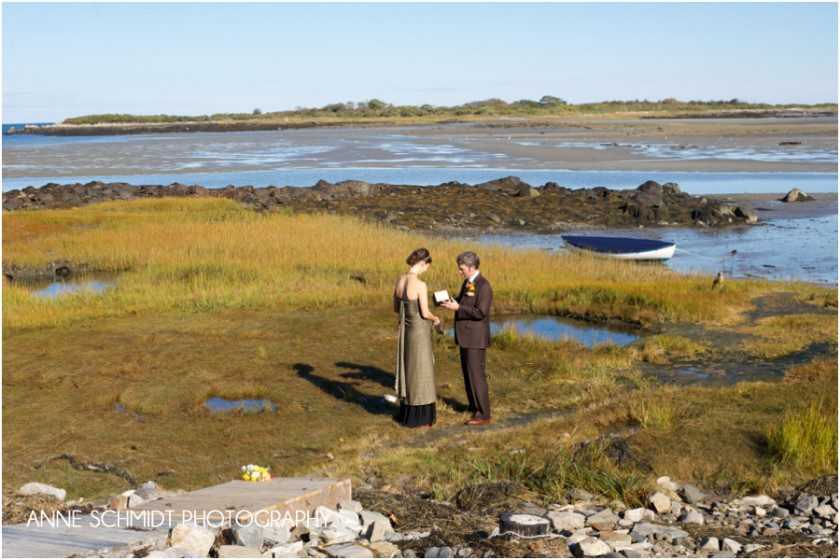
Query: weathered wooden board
[
  {"x": 283, "y": 496},
  {"x": 84, "y": 538}
]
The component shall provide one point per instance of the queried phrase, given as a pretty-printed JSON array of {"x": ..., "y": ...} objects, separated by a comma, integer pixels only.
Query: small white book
[{"x": 441, "y": 297}]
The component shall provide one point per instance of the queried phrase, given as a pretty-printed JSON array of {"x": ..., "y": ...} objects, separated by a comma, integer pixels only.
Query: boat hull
[{"x": 623, "y": 248}]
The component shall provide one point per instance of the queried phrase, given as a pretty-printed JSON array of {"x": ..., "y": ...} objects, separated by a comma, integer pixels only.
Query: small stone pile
[
  {"x": 350, "y": 531},
  {"x": 670, "y": 524}
]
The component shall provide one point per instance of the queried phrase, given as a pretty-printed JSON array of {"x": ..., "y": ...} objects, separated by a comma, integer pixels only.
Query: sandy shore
[{"x": 627, "y": 144}]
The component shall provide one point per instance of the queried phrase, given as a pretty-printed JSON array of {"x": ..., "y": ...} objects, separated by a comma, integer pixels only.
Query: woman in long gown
[{"x": 415, "y": 372}]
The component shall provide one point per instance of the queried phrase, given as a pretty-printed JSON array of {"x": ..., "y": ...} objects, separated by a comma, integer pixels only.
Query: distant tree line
[{"x": 375, "y": 108}]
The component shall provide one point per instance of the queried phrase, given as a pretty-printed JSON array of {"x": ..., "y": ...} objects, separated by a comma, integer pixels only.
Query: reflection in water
[
  {"x": 558, "y": 328},
  {"x": 48, "y": 290},
  {"x": 218, "y": 404}
]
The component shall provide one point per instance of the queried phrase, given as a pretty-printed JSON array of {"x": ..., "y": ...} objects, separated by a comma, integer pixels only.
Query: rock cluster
[
  {"x": 506, "y": 203},
  {"x": 682, "y": 521},
  {"x": 676, "y": 520}
]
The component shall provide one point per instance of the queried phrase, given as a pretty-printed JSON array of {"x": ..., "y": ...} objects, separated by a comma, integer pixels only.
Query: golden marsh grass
[{"x": 207, "y": 254}]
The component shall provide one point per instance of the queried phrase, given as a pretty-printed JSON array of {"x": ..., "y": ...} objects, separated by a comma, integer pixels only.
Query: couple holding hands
[{"x": 415, "y": 371}]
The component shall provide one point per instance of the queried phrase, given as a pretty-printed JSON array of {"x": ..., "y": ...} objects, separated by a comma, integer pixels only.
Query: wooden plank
[
  {"x": 82, "y": 538},
  {"x": 283, "y": 495}
]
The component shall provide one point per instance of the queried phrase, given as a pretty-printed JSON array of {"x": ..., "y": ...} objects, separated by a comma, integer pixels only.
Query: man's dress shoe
[{"x": 476, "y": 421}]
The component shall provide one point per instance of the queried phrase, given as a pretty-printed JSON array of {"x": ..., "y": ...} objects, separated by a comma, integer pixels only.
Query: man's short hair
[{"x": 468, "y": 258}]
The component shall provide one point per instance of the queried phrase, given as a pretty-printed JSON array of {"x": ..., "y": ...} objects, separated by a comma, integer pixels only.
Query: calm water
[
  {"x": 558, "y": 328},
  {"x": 74, "y": 285},
  {"x": 779, "y": 249},
  {"x": 218, "y": 404},
  {"x": 694, "y": 182}
]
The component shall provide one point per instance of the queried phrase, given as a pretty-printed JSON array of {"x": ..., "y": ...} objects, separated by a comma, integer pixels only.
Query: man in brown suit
[{"x": 472, "y": 334}]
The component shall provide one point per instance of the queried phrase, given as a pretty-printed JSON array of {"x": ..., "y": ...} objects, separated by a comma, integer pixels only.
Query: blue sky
[{"x": 61, "y": 60}]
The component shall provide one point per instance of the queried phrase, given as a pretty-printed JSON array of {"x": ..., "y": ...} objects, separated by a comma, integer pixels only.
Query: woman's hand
[{"x": 436, "y": 321}]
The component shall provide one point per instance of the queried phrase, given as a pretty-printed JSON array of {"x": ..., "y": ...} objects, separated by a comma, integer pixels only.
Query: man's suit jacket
[{"x": 472, "y": 320}]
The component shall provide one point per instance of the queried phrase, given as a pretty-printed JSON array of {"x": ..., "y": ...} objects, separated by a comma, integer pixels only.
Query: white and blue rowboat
[{"x": 629, "y": 248}]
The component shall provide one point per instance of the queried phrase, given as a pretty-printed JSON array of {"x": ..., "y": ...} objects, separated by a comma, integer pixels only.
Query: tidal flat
[
  {"x": 771, "y": 145},
  {"x": 215, "y": 300}
]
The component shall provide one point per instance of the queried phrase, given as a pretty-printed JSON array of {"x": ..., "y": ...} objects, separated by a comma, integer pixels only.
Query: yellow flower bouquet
[{"x": 255, "y": 473}]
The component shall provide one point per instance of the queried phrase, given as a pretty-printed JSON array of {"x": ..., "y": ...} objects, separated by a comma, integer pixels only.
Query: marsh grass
[
  {"x": 660, "y": 349},
  {"x": 806, "y": 438},
  {"x": 785, "y": 334},
  {"x": 553, "y": 476},
  {"x": 211, "y": 254},
  {"x": 216, "y": 299}
]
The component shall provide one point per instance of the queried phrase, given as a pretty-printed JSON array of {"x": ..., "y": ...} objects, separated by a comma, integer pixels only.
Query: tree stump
[{"x": 524, "y": 524}]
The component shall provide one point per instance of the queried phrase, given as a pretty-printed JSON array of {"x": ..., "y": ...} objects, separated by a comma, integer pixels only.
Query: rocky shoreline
[
  {"x": 498, "y": 205},
  {"x": 676, "y": 520}
]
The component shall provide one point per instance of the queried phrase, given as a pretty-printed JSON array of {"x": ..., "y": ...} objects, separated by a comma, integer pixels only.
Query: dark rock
[{"x": 795, "y": 195}]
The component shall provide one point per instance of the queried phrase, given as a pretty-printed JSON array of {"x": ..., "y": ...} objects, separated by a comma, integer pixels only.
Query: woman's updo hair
[{"x": 421, "y": 254}]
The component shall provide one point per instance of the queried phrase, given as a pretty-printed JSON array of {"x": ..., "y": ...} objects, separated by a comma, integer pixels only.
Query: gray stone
[
  {"x": 792, "y": 524},
  {"x": 348, "y": 551},
  {"x": 746, "y": 214},
  {"x": 603, "y": 520},
  {"x": 334, "y": 535},
  {"x": 659, "y": 502},
  {"x": 692, "y": 494},
  {"x": 192, "y": 538},
  {"x": 237, "y": 551},
  {"x": 825, "y": 511},
  {"x": 779, "y": 511},
  {"x": 384, "y": 549},
  {"x": 32, "y": 488},
  {"x": 752, "y": 547},
  {"x": 248, "y": 535},
  {"x": 171, "y": 552},
  {"x": 614, "y": 539},
  {"x": 709, "y": 544},
  {"x": 796, "y": 195},
  {"x": 276, "y": 534},
  {"x": 806, "y": 504},
  {"x": 289, "y": 550},
  {"x": 379, "y": 530},
  {"x": 761, "y": 500},
  {"x": 639, "y": 514},
  {"x": 579, "y": 535},
  {"x": 431, "y": 552},
  {"x": 445, "y": 552},
  {"x": 566, "y": 520},
  {"x": 665, "y": 482},
  {"x": 730, "y": 545},
  {"x": 692, "y": 516},
  {"x": 649, "y": 529},
  {"x": 351, "y": 505},
  {"x": 409, "y": 553},
  {"x": 334, "y": 518},
  {"x": 367, "y": 517},
  {"x": 464, "y": 552},
  {"x": 590, "y": 547}
]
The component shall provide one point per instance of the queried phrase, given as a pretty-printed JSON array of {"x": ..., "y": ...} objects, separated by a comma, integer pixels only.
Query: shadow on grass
[
  {"x": 386, "y": 379},
  {"x": 346, "y": 391},
  {"x": 368, "y": 373}
]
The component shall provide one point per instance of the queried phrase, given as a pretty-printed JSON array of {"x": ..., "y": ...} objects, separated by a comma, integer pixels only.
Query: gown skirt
[{"x": 415, "y": 371}]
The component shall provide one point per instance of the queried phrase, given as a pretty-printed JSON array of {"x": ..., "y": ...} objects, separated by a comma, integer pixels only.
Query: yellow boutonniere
[{"x": 470, "y": 287}]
